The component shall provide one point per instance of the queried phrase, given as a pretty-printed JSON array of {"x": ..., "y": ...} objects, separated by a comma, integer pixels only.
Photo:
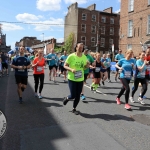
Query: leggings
[
  {"x": 38, "y": 77},
  {"x": 126, "y": 88},
  {"x": 108, "y": 71},
  {"x": 75, "y": 91},
  {"x": 136, "y": 83}
]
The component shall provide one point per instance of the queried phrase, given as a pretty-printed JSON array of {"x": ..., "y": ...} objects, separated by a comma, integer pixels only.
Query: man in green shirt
[{"x": 86, "y": 72}]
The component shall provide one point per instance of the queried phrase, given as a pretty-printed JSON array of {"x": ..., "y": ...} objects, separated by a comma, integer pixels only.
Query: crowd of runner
[{"x": 79, "y": 66}]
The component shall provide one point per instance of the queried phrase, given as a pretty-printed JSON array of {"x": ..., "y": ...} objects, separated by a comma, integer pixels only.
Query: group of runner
[{"x": 81, "y": 65}]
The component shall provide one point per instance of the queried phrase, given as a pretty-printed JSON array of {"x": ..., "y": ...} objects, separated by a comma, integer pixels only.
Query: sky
[{"x": 43, "y": 19}]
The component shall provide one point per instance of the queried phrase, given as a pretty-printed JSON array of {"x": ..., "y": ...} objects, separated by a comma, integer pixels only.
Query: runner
[
  {"x": 38, "y": 72},
  {"x": 86, "y": 72},
  {"x": 118, "y": 57},
  {"x": 4, "y": 59},
  {"x": 21, "y": 64},
  {"x": 108, "y": 66},
  {"x": 75, "y": 64},
  {"x": 62, "y": 60},
  {"x": 98, "y": 65},
  {"x": 125, "y": 65},
  {"x": 140, "y": 78},
  {"x": 52, "y": 64},
  {"x": 0, "y": 67}
]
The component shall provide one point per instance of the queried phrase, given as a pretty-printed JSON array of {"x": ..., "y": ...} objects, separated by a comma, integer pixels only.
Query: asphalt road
[{"x": 48, "y": 125}]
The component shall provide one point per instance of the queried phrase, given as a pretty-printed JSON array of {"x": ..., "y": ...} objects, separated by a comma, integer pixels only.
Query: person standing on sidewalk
[
  {"x": 118, "y": 57},
  {"x": 38, "y": 72},
  {"x": 140, "y": 78},
  {"x": 21, "y": 64},
  {"x": 75, "y": 64},
  {"x": 125, "y": 65}
]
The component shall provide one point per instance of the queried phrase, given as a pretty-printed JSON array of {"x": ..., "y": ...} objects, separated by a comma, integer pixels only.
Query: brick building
[
  {"x": 28, "y": 41},
  {"x": 134, "y": 25},
  {"x": 98, "y": 30}
]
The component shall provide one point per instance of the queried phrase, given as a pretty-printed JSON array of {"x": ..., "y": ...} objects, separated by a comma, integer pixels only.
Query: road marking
[{"x": 96, "y": 90}]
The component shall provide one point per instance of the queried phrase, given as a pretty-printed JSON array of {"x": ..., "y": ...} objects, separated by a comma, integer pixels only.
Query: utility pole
[{"x": 43, "y": 41}]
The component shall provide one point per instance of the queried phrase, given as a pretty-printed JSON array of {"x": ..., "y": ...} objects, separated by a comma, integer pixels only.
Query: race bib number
[
  {"x": 142, "y": 74},
  {"x": 39, "y": 69},
  {"x": 21, "y": 70},
  {"x": 97, "y": 69},
  {"x": 78, "y": 74},
  {"x": 127, "y": 74}
]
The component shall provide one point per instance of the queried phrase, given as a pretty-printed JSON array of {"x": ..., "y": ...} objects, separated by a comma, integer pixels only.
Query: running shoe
[
  {"x": 103, "y": 83},
  {"x": 40, "y": 97},
  {"x": 109, "y": 81},
  {"x": 83, "y": 97},
  {"x": 118, "y": 101},
  {"x": 75, "y": 112},
  {"x": 65, "y": 101},
  {"x": 131, "y": 100},
  {"x": 20, "y": 101},
  {"x": 127, "y": 106},
  {"x": 144, "y": 97},
  {"x": 91, "y": 88},
  {"x": 116, "y": 79},
  {"x": 36, "y": 95},
  {"x": 141, "y": 101}
]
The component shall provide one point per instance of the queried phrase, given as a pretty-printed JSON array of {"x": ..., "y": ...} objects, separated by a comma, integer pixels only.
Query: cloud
[
  {"x": 28, "y": 17},
  {"x": 119, "y": 1},
  {"x": 73, "y": 1},
  {"x": 11, "y": 27},
  {"x": 60, "y": 40},
  {"x": 117, "y": 11},
  {"x": 48, "y": 5}
]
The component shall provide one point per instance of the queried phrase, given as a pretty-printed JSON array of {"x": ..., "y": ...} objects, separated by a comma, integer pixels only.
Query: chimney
[
  {"x": 92, "y": 7},
  {"x": 108, "y": 10}
]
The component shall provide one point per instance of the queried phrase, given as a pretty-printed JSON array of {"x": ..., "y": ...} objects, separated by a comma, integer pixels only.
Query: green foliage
[{"x": 69, "y": 43}]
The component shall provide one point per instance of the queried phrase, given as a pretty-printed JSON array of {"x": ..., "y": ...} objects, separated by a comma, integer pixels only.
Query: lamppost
[{"x": 43, "y": 41}]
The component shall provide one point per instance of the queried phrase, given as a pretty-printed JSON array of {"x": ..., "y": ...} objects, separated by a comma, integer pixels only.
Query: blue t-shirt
[
  {"x": 127, "y": 68},
  {"x": 109, "y": 62},
  {"x": 57, "y": 61},
  {"x": 140, "y": 74},
  {"x": 105, "y": 62},
  {"x": 63, "y": 58},
  {"x": 21, "y": 61},
  {"x": 53, "y": 61},
  {"x": 119, "y": 56}
]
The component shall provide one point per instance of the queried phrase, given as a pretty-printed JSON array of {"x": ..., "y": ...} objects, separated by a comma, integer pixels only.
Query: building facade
[
  {"x": 98, "y": 30},
  {"x": 134, "y": 25}
]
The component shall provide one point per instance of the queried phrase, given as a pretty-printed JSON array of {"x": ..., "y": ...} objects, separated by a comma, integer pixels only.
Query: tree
[{"x": 69, "y": 43}]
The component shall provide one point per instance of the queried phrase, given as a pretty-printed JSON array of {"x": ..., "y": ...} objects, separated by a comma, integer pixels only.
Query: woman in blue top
[
  {"x": 108, "y": 66},
  {"x": 125, "y": 66},
  {"x": 140, "y": 77}
]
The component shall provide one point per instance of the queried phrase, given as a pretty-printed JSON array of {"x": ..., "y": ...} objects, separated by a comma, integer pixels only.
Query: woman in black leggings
[
  {"x": 125, "y": 65},
  {"x": 38, "y": 72},
  {"x": 140, "y": 77}
]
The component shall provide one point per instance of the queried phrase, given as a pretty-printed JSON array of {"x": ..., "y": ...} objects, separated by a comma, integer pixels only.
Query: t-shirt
[
  {"x": 109, "y": 62},
  {"x": 21, "y": 61},
  {"x": 105, "y": 62},
  {"x": 63, "y": 58},
  {"x": 127, "y": 68},
  {"x": 119, "y": 56},
  {"x": 39, "y": 69},
  {"x": 91, "y": 60},
  {"x": 148, "y": 65},
  {"x": 78, "y": 64},
  {"x": 53, "y": 61},
  {"x": 140, "y": 74},
  {"x": 32, "y": 58},
  {"x": 4, "y": 58}
]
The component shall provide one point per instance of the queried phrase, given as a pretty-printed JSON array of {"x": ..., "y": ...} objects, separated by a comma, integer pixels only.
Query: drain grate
[{"x": 141, "y": 118}]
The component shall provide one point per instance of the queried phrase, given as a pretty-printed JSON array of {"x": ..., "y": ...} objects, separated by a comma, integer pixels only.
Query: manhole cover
[{"x": 141, "y": 118}]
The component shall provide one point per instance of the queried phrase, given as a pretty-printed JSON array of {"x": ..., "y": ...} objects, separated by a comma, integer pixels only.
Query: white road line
[{"x": 96, "y": 90}]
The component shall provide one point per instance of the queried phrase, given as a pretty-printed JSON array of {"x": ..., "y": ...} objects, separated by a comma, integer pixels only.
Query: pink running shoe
[
  {"x": 118, "y": 101},
  {"x": 127, "y": 106}
]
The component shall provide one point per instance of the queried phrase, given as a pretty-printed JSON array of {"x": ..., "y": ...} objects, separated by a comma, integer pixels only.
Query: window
[
  {"x": 93, "y": 44},
  {"x": 111, "y": 20},
  {"x": 103, "y": 19},
  {"x": 83, "y": 28},
  {"x": 103, "y": 30},
  {"x": 102, "y": 42},
  {"x": 129, "y": 46},
  {"x": 93, "y": 17},
  {"x": 130, "y": 26},
  {"x": 134, "y": 31},
  {"x": 148, "y": 2},
  {"x": 84, "y": 16},
  {"x": 83, "y": 40},
  {"x": 131, "y": 5},
  {"x": 93, "y": 29},
  {"x": 111, "y": 31},
  {"x": 111, "y": 42},
  {"x": 148, "y": 26}
]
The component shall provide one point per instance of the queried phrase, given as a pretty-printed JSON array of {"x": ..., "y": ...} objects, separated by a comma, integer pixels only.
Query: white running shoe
[
  {"x": 141, "y": 101},
  {"x": 131, "y": 100}
]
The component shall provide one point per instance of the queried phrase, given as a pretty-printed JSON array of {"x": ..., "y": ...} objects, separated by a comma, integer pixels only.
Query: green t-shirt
[
  {"x": 32, "y": 58},
  {"x": 78, "y": 64},
  {"x": 91, "y": 60}
]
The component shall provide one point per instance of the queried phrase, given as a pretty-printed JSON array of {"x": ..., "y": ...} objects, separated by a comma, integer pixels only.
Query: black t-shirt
[{"x": 4, "y": 58}]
